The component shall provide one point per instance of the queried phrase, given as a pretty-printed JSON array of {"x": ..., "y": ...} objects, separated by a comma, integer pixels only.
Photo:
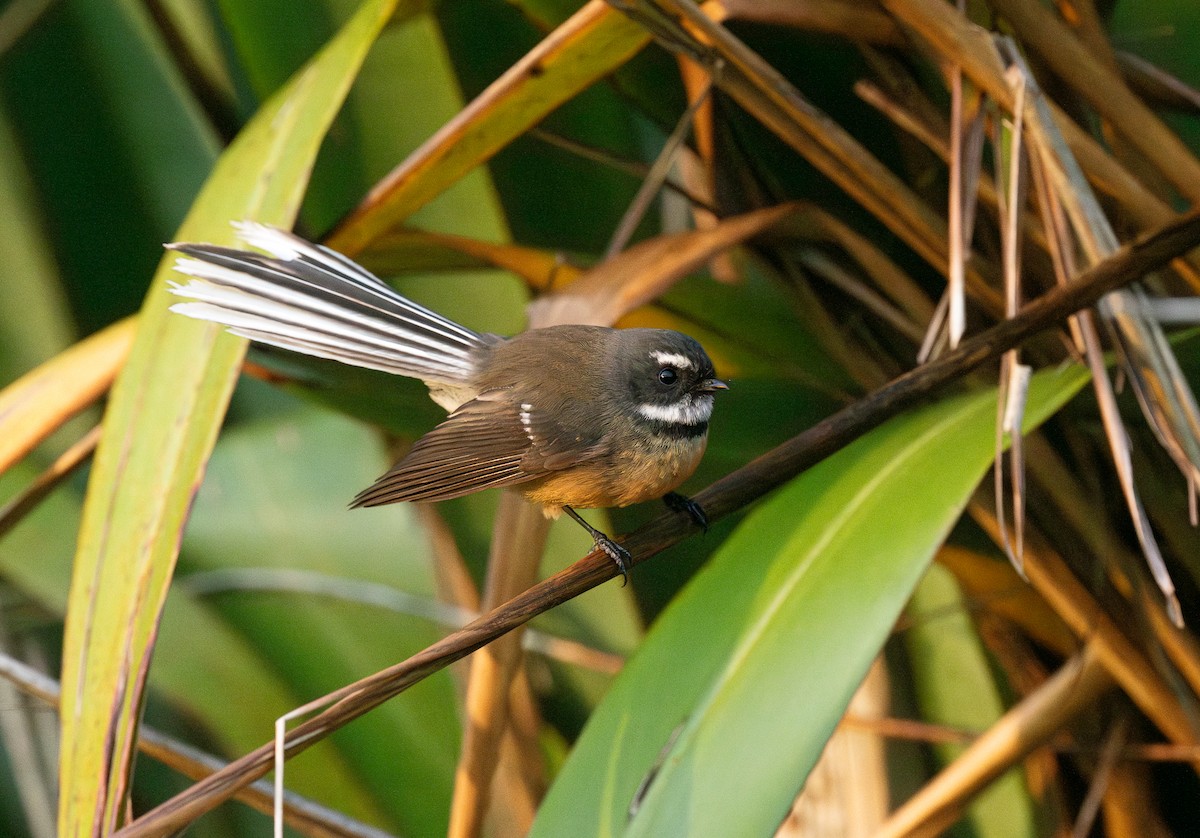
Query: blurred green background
[{"x": 112, "y": 114}]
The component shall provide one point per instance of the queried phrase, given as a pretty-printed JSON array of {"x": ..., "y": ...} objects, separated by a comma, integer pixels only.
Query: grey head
[{"x": 669, "y": 378}]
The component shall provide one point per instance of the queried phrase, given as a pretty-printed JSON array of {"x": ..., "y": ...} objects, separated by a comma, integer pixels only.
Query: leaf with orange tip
[
  {"x": 405, "y": 250},
  {"x": 996, "y": 588},
  {"x": 33, "y": 406},
  {"x": 616, "y": 287},
  {"x": 595, "y": 41}
]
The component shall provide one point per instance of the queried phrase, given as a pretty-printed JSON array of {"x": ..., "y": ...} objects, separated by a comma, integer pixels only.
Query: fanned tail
[{"x": 310, "y": 299}]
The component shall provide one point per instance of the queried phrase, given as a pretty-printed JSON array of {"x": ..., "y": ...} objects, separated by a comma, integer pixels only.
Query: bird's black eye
[{"x": 668, "y": 376}]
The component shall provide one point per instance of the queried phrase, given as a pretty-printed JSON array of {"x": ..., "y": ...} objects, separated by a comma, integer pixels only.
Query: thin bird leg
[{"x": 615, "y": 551}]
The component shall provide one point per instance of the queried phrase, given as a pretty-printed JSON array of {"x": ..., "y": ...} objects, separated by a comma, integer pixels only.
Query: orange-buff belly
[{"x": 627, "y": 477}]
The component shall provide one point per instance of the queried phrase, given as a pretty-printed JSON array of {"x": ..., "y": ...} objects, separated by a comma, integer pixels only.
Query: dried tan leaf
[
  {"x": 595, "y": 41},
  {"x": 643, "y": 273},
  {"x": 1067, "y": 694},
  {"x": 35, "y": 405}
]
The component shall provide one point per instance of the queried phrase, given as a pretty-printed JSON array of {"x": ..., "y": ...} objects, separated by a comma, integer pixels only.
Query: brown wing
[{"x": 488, "y": 442}]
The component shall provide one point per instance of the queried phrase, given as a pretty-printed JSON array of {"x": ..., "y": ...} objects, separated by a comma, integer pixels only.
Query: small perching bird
[{"x": 571, "y": 416}]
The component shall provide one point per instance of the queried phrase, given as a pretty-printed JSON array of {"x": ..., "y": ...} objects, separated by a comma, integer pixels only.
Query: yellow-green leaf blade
[
  {"x": 590, "y": 45},
  {"x": 162, "y": 420},
  {"x": 728, "y": 704}
]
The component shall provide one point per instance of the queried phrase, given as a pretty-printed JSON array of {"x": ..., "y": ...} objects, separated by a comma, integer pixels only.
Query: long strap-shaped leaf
[
  {"x": 591, "y": 44},
  {"x": 711, "y": 729},
  {"x": 161, "y": 423}
]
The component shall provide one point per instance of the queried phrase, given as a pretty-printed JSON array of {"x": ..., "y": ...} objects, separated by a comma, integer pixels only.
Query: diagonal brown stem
[{"x": 728, "y": 494}]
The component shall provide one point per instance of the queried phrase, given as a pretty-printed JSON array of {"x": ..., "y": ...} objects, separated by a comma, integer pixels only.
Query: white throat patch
[
  {"x": 691, "y": 410},
  {"x": 673, "y": 359}
]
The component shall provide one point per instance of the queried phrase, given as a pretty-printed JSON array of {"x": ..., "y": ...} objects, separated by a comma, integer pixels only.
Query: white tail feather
[{"x": 309, "y": 299}]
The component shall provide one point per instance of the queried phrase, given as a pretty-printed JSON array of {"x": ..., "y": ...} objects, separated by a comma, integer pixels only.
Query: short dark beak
[{"x": 711, "y": 385}]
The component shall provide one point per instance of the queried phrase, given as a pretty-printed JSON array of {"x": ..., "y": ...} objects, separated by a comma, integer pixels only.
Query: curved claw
[
  {"x": 622, "y": 557},
  {"x": 619, "y": 555}
]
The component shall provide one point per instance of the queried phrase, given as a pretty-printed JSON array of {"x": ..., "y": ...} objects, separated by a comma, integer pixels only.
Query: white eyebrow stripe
[
  {"x": 673, "y": 359},
  {"x": 690, "y": 412}
]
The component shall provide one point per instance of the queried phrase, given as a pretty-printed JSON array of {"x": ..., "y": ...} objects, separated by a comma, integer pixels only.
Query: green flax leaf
[
  {"x": 729, "y": 703},
  {"x": 162, "y": 420}
]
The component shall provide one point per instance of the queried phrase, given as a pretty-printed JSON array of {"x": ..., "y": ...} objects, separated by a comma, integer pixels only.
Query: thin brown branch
[
  {"x": 1153, "y": 82},
  {"x": 1106, "y": 765},
  {"x": 911, "y": 730},
  {"x": 16, "y": 509},
  {"x": 300, "y": 813},
  {"x": 682, "y": 27},
  {"x": 634, "y": 168},
  {"x": 915, "y": 730},
  {"x": 733, "y": 492}
]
